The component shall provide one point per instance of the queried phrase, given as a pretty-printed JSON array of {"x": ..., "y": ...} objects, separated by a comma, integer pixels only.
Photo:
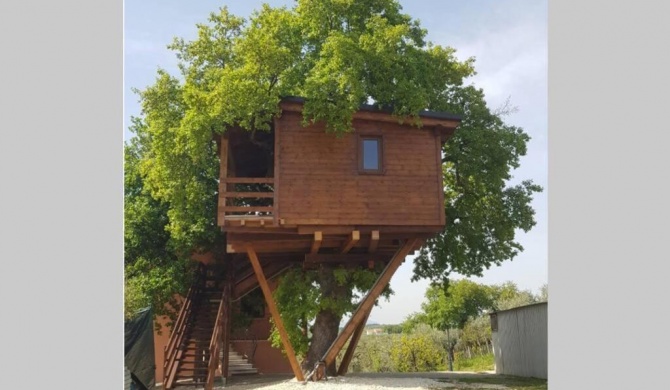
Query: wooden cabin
[
  {"x": 299, "y": 196},
  {"x": 301, "y": 191}
]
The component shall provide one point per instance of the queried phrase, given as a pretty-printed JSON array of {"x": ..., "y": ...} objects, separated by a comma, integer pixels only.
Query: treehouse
[
  {"x": 300, "y": 196},
  {"x": 301, "y": 191}
]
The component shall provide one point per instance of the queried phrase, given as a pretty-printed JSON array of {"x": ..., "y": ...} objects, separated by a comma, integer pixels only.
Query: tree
[
  {"x": 477, "y": 333},
  {"x": 392, "y": 329},
  {"x": 462, "y": 300},
  {"x": 337, "y": 54},
  {"x": 416, "y": 353},
  {"x": 544, "y": 293},
  {"x": 483, "y": 211},
  {"x": 153, "y": 272},
  {"x": 313, "y": 302},
  {"x": 508, "y": 296},
  {"x": 453, "y": 307},
  {"x": 412, "y": 321}
]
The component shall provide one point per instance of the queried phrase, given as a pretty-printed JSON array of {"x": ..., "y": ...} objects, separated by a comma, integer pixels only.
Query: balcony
[{"x": 246, "y": 201}]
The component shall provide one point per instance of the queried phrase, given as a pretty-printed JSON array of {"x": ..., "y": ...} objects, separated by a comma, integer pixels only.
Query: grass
[
  {"x": 512, "y": 382},
  {"x": 476, "y": 363}
]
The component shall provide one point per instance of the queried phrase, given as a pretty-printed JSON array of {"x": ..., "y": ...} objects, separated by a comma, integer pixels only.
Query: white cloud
[{"x": 509, "y": 61}]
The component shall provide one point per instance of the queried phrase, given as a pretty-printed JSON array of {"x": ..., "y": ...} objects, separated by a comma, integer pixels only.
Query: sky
[{"x": 508, "y": 38}]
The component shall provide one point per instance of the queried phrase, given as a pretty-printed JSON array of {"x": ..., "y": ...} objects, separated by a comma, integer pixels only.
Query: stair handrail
[
  {"x": 170, "y": 350},
  {"x": 214, "y": 344}
]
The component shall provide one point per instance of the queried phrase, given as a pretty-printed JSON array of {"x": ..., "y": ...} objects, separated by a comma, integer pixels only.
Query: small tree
[
  {"x": 508, "y": 296},
  {"x": 452, "y": 308},
  {"x": 416, "y": 353}
]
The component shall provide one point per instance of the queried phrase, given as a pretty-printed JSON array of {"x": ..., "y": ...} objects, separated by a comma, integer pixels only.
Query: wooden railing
[
  {"x": 229, "y": 207},
  {"x": 171, "y": 352},
  {"x": 216, "y": 343}
]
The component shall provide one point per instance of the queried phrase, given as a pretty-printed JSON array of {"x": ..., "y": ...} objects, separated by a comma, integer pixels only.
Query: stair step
[
  {"x": 191, "y": 347},
  {"x": 241, "y": 367},
  {"x": 193, "y": 369},
  {"x": 243, "y": 372},
  {"x": 198, "y": 382}
]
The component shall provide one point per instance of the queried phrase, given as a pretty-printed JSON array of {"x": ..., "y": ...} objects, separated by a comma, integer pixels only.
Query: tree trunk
[
  {"x": 450, "y": 352},
  {"x": 327, "y": 322}
]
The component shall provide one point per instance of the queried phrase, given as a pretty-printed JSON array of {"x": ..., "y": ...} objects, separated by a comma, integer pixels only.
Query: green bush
[
  {"x": 416, "y": 352},
  {"x": 373, "y": 354}
]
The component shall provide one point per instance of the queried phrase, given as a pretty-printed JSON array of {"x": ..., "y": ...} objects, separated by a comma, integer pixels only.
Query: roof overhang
[{"x": 442, "y": 122}]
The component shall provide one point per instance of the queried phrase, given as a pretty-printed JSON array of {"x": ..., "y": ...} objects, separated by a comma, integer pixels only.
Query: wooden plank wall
[
  {"x": 320, "y": 182},
  {"x": 520, "y": 344}
]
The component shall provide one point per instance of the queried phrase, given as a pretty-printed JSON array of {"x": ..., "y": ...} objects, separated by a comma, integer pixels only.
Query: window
[
  {"x": 370, "y": 155},
  {"x": 494, "y": 322}
]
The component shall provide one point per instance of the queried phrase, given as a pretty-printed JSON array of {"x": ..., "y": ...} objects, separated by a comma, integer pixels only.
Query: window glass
[{"x": 371, "y": 154}]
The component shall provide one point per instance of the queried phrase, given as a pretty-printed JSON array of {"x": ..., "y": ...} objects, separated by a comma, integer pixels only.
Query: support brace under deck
[
  {"x": 366, "y": 304},
  {"x": 253, "y": 258}
]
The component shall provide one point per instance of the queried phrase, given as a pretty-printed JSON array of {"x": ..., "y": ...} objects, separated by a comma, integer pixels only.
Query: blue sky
[{"x": 508, "y": 38}]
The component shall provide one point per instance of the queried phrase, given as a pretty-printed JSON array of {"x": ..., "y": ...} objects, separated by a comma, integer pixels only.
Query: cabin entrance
[{"x": 247, "y": 177}]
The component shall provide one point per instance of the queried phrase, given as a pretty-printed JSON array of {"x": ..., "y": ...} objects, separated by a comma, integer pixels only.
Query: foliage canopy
[{"x": 337, "y": 54}]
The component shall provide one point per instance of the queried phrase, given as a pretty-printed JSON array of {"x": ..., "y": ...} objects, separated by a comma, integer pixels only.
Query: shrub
[{"x": 416, "y": 352}]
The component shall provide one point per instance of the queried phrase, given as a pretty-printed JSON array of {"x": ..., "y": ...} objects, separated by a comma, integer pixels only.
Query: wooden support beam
[
  {"x": 223, "y": 164},
  {"x": 341, "y": 258},
  {"x": 233, "y": 194},
  {"x": 249, "y": 180},
  {"x": 367, "y": 302},
  {"x": 318, "y": 238},
  {"x": 223, "y": 175},
  {"x": 351, "y": 241},
  {"x": 249, "y": 283},
  {"x": 398, "y": 230},
  {"x": 349, "y": 354},
  {"x": 374, "y": 241},
  {"x": 246, "y": 209},
  {"x": 253, "y": 258}
]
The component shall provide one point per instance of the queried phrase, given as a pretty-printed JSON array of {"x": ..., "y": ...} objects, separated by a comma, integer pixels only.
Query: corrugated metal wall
[{"x": 520, "y": 344}]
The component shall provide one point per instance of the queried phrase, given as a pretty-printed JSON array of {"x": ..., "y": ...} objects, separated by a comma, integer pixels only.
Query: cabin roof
[{"x": 373, "y": 108}]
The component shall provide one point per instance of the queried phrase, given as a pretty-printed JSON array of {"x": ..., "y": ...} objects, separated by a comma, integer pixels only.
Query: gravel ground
[
  {"x": 427, "y": 381},
  {"x": 378, "y": 383}
]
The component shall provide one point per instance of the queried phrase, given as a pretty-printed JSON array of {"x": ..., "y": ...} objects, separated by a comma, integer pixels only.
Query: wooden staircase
[
  {"x": 238, "y": 364},
  {"x": 193, "y": 352}
]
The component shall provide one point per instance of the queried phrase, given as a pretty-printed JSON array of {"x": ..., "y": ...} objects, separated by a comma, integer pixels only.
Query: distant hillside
[{"x": 372, "y": 325}]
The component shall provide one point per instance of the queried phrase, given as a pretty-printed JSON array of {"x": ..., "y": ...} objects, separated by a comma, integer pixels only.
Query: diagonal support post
[
  {"x": 256, "y": 264},
  {"x": 355, "y": 338},
  {"x": 368, "y": 301}
]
